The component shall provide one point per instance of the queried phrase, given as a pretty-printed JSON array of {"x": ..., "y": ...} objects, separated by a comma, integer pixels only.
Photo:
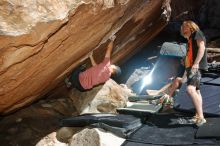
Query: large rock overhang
[{"x": 41, "y": 42}]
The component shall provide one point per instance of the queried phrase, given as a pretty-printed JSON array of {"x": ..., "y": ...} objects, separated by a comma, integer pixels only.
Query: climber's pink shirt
[{"x": 95, "y": 75}]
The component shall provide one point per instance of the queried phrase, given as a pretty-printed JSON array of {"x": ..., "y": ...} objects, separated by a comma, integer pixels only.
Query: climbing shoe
[{"x": 200, "y": 122}]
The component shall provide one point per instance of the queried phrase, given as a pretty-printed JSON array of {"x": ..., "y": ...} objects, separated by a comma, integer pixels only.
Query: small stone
[
  {"x": 46, "y": 105},
  {"x": 65, "y": 133},
  {"x": 19, "y": 120}
]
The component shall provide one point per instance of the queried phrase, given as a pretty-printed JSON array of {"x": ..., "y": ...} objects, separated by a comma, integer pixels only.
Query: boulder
[
  {"x": 65, "y": 133},
  {"x": 42, "y": 41},
  {"x": 50, "y": 139},
  {"x": 104, "y": 98},
  {"x": 95, "y": 137}
]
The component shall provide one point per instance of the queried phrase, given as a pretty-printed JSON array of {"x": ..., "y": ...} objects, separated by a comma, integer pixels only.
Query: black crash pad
[
  {"x": 211, "y": 100},
  {"x": 209, "y": 130},
  {"x": 140, "y": 109},
  {"x": 166, "y": 129},
  {"x": 119, "y": 124},
  {"x": 131, "y": 143},
  {"x": 144, "y": 97},
  {"x": 214, "y": 82}
]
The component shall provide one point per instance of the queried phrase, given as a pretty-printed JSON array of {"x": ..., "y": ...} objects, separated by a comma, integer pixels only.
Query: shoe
[
  {"x": 168, "y": 101},
  {"x": 67, "y": 82},
  {"x": 194, "y": 119},
  {"x": 200, "y": 122},
  {"x": 163, "y": 99}
]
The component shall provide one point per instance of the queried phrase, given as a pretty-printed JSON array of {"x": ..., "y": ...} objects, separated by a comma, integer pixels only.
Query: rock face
[
  {"x": 42, "y": 41},
  {"x": 205, "y": 12},
  {"x": 210, "y": 19}
]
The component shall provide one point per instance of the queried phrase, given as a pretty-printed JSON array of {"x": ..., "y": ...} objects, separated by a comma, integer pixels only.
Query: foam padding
[
  {"x": 211, "y": 129},
  {"x": 120, "y": 125},
  {"x": 214, "y": 82},
  {"x": 130, "y": 143},
  {"x": 140, "y": 109},
  {"x": 210, "y": 95},
  {"x": 117, "y": 120},
  {"x": 206, "y": 79},
  {"x": 166, "y": 129}
]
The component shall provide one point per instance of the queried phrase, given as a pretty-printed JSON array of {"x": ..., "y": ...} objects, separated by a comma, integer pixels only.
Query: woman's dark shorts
[{"x": 193, "y": 78}]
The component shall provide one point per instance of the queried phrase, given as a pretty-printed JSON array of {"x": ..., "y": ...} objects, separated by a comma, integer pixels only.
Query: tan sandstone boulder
[
  {"x": 95, "y": 137},
  {"x": 42, "y": 41},
  {"x": 101, "y": 99}
]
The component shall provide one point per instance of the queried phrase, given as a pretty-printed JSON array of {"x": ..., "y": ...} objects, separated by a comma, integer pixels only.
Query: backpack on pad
[{"x": 173, "y": 49}]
